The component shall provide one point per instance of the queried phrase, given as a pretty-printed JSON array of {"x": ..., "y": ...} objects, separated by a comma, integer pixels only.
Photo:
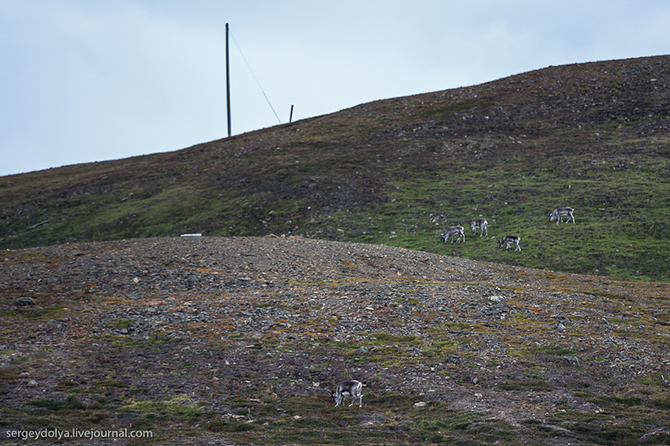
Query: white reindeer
[
  {"x": 349, "y": 387},
  {"x": 481, "y": 225},
  {"x": 510, "y": 240},
  {"x": 559, "y": 213},
  {"x": 451, "y": 232}
]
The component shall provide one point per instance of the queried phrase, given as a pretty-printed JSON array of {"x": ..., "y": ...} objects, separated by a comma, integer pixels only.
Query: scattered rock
[{"x": 202, "y": 314}]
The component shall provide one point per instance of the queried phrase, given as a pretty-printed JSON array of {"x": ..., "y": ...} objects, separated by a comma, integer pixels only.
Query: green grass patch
[
  {"x": 120, "y": 323},
  {"x": 555, "y": 350},
  {"x": 42, "y": 314},
  {"x": 535, "y": 386},
  {"x": 72, "y": 403},
  {"x": 8, "y": 378},
  {"x": 514, "y": 353},
  {"x": 175, "y": 410},
  {"x": 106, "y": 385},
  {"x": 386, "y": 338}
]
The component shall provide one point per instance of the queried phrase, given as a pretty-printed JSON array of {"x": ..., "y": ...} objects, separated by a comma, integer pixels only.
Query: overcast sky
[{"x": 93, "y": 80}]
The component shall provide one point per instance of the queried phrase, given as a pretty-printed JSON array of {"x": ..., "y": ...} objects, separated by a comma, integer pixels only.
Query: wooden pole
[
  {"x": 290, "y": 118},
  {"x": 228, "y": 84}
]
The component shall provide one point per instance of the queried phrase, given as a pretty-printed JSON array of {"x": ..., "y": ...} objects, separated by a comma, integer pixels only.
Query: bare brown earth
[{"x": 235, "y": 341}]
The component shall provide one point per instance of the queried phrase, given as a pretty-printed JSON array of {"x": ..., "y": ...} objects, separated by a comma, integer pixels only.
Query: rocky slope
[
  {"x": 593, "y": 136},
  {"x": 236, "y": 341}
]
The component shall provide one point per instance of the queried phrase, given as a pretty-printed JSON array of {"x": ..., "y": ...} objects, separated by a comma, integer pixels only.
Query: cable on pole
[{"x": 255, "y": 78}]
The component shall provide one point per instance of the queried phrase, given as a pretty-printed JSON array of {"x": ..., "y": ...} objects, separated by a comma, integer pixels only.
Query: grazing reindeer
[
  {"x": 510, "y": 240},
  {"x": 348, "y": 387},
  {"x": 451, "y": 232},
  {"x": 559, "y": 213},
  {"x": 481, "y": 225}
]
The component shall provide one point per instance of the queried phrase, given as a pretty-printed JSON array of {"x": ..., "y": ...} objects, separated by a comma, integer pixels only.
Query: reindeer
[
  {"x": 481, "y": 225},
  {"x": 451, "y": 232},
  {"x": 349, "y": 387},
  {"x": 559, "y": 213},
  {"x": 510, "y": 240}
]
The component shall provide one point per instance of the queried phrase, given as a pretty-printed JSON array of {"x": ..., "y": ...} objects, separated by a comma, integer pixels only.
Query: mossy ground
[{"x": 396, "y": 172}]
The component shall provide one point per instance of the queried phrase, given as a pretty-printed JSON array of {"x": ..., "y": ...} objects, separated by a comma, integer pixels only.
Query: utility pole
[{"x": 228, "y": 83}]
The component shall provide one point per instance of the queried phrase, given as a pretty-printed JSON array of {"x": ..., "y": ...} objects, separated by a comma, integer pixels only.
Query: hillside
[
  {"x": 228, "y": 341},
  {"x": 592, "y": 136}
]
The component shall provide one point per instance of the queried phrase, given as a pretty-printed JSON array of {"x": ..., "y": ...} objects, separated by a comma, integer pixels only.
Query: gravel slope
[{"x": 218, "y": 319}]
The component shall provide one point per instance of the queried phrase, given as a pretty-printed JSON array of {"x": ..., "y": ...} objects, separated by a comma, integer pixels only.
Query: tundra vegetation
[
  {"x": 242, "y": 340},
  {"x": 591, "y": 136},
  {"x": 211, "y": 339}
]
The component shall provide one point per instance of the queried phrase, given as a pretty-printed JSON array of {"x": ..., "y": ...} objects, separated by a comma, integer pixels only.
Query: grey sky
[{"x": 92, "y": 80}]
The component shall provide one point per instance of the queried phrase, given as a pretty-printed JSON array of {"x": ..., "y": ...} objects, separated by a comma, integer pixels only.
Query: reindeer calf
[
  {"x": 510, "y": 240},
  {"x": 481, "y": 225},
  {"x": 559, "y": 213},
  {"x": 348, "y": 387},
  {"x": 452, "y": 232}
]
